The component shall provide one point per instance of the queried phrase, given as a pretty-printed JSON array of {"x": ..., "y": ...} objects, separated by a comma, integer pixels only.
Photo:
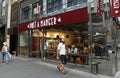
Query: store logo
[
  {"x": 48, "y": 22},
  {"x": 37, "y": 9},
  {"x": 44, "y": 22},
  {"x": 33, "y": 25}
]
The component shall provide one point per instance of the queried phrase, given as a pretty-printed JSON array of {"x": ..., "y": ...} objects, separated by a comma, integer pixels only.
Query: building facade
[
  {"x": 29, "y": 14},
  {"x": 3, "y": 20},
  {"x": 42, "y": 23}
]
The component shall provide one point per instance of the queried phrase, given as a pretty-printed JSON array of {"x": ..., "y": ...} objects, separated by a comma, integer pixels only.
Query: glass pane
[
  {"x": 76, "y": 2},
  {"x": 54, "y": 5},
  {"x": 49, "y": 1},
  {"x": 70, "y": 3},
  {"x": 25, "y": 13}
]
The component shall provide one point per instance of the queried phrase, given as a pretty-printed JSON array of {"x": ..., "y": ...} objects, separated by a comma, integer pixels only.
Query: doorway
[{"x": 13, "y": 44}]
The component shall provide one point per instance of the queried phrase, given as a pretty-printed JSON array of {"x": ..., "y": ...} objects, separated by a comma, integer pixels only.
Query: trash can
[{"x": 95, "y": 67}]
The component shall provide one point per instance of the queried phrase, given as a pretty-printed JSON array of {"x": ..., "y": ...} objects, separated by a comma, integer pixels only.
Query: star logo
[
  {"x": 59, "y": 19},
  {"x": 116, "y": 11}
]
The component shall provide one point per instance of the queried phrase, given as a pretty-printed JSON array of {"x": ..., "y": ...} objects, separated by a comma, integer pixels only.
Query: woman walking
[{"x": 5, "y": 52}]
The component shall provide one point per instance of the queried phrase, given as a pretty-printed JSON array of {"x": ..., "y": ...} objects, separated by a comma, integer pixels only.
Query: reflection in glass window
[
  {"x": 3, "y": 3},
  {"x": 54, "y": 5},
  {"x": 34, "y": 5},
  {"x": 75, "y": 2},
  {"x": 25, "y": 13},
  {"x": 3, "y": 7}
]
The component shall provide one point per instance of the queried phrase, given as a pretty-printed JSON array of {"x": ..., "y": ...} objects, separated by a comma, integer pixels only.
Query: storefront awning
[{"x": 68, "y": 18}]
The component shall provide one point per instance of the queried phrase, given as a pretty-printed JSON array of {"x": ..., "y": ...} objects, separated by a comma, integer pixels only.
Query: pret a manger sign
[
  {"x": 72, "y": 17},
  {"x": 44, "y": 22}
]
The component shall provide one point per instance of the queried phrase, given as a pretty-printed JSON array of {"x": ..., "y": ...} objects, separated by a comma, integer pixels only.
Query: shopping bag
[{"x": 9, "y": 56}]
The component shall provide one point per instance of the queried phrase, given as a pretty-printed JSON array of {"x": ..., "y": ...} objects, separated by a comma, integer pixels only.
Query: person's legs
[
  {"x": 3, "y": 56},
  {"x": 74, "y": 59},
  {"x": 59, "y": 65},
  {"x": 62, "y": 68},
  {"x": 6, "y": 57},
  {"x": 63, "y": 61}
]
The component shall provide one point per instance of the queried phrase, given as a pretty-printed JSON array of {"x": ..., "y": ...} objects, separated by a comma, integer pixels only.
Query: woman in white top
[
  {"x": 61, "y": 53},
  {"x": 4, "y": 52}
]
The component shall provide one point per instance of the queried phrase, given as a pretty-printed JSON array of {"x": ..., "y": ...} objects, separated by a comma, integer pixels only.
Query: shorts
[{"x": 63, "y": 59}]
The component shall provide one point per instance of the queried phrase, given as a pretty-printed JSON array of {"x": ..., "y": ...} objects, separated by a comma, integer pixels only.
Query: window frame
[
  {"x": 71, "y": 3},
  {"x": 54, "y": 5},
  {"x": 25, "y": 13}
]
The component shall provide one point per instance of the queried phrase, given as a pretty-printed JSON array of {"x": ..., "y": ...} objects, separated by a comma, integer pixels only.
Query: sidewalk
[
  {"x": 69, "y": 70},
  {"x": 77, "y": 72}
]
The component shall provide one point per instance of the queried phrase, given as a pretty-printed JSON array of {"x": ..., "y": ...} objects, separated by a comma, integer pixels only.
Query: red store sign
[
  {"x": 37, "y": 9},
  {"x": 100, "y": 8},
  {"x": 115, "y": 8},
  {"x": 72, "y": 17}
]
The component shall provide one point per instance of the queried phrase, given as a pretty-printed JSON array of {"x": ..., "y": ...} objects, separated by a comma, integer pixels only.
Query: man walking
[{"x": 61, "y": 54}]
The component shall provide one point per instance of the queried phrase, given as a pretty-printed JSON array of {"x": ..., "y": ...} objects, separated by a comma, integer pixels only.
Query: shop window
[
  {"x": 75, "y": 2},
  {"x": 70, "y": 3},
  {"x": 35, "y": 6},
  {"x": 25, "y": 13},
  {"x": 54, "y": 5}
]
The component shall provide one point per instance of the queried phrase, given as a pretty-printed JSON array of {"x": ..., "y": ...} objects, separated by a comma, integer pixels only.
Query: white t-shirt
[
  {"x": 75, "y": 50},
  {"x": 5, "y": 49},
  {"x": 61, "y": 47}
]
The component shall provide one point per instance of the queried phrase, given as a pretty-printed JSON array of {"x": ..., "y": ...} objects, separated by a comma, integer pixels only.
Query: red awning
[{"x": 72, "y": 17}]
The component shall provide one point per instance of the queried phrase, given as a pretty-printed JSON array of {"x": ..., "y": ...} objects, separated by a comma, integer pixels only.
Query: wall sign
[
  {"x": 114, "y": 8},
  {"x": 37, "y": 9},
  {"x": 72, "y": 17}
]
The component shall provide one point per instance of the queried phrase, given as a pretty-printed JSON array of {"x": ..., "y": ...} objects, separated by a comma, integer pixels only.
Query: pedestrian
[
  {"x": 61, "y": 54},
  {"x": 5, "y": 52}
]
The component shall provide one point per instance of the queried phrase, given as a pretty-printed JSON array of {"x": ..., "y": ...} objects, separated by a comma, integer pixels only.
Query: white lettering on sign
[
  {"x": 32, "y": 25},
  {"x": 116, "y": 4},
  {"x": 45, "y": 22},
  {"x": 55, "y": 20},
  {"x": 59, "y": 19},
  {"x": 38, "y": 24},
  {"x": 48, "y": 22}
]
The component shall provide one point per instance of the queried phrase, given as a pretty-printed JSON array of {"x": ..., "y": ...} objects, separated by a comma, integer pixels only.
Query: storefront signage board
[{"x": 68, "y": 18}]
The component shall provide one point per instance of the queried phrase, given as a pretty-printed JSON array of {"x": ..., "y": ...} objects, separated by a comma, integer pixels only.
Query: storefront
[{"x": 41, "y": 37}]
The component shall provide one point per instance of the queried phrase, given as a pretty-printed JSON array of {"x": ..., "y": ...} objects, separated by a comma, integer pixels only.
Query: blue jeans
[
  {"x": 6, "y": 56},
  {"x": 3, "y": 57}
]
